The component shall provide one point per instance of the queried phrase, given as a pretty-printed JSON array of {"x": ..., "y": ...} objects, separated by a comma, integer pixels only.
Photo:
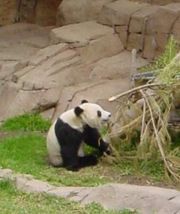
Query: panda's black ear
[
  {"x": 78, "y": 111},
  {"x": 84, "y": 101}
]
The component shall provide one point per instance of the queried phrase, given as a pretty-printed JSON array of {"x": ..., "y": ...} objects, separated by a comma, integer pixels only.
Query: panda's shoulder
[
  {"x": 68, "y": 120},
  {"x": 67, "y": 115}
]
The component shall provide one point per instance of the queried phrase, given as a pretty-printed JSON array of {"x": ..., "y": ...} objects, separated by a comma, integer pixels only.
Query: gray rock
[
  {"x": 163, "y": 20},
  {"x": 20, "y": 41},
  {"x": 70, "y": 11},
  {"x": 46, "y": 53},
  {"x": 145, "y": 199},
  {"x": 81, "y": 33},
  {"x": 73, "y": 193},
  {"x": 6, "y": 173},
  {"x": 93, "y": 91},
  {"x": 119, "y": 12},
  {"x": 176, "y": 29},
  {"x": 99, "y": 48},
  {"x": 117, "y": 66},
  {"x": 31, "y": 185},
  {"x": 8, "y": 68},
  {"x": 138, "y": 19}
]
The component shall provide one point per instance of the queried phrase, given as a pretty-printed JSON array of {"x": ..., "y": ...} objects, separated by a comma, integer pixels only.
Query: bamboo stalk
[
  {"x": 143, "y": 120},
  {"x": 177, "y": 177},
  {"x": 134, "y": 89},
  {"x": 119, "y": 131}
]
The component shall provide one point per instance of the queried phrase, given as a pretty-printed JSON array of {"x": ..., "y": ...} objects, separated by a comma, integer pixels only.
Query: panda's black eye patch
[
  {"x": 99, "y": 113},
  {"x": 78, "y": 111}
]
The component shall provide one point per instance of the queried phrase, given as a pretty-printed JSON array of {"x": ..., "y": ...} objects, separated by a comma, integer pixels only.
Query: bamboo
[{"x": 135, "y": 90}]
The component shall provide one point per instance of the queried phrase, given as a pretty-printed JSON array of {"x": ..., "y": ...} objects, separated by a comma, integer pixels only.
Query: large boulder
[
  {"x": 91, "y": 40},
  {"x": 117, "y": 66},
  {"x": 82, "y": 61},
  {"x": 70, "y": 11},
  {"x": 176, "y": 29},
  {"x": 139, "y": 18},
  {"x": 107, "y": 77},
  {"x": 119, "y": 12},
  {"x": 95, "y": 91},
  {"x": 44, "y": 72},
  {"x": 144, "y": 199},
  {"x": 18, "y": 43},
  {"x": 144, "y": 27},
  {"x": 141, "y": 199},
  {"x": 151, "y": 27},
  {"x": 81, "y": 33},
  {"x": 17, "y": 101},
  {"x": 159, "y": 25},
  {"x": 162, "y": 21}
]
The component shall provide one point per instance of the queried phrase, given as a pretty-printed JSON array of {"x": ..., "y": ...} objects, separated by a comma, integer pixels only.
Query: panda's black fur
[{"x": 70, "y": 140}]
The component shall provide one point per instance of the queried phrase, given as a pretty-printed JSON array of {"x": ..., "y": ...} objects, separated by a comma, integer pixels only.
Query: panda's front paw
[
  {"x": 108, "y": 151},
  {"x": 93, "y": 160},
  {"x": 88, "y": 160},
  {"x": 104, "y": 148}
]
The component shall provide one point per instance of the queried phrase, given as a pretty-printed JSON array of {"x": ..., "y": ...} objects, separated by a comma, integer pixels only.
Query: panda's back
[{"x": 53, "y": 147}]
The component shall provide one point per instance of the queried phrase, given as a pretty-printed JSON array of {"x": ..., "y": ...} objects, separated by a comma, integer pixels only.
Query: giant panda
[{"x": 71, "y": 130}]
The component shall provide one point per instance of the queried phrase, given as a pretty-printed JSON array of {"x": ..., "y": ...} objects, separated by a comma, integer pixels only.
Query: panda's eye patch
[{"x": 99, "y": 113}]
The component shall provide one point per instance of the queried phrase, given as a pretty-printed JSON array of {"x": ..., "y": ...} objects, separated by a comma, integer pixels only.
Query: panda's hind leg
[
  {"x": 88, "y": 160},
  {"x": 75, "y": 163},
  {"x": 72, "y": 161}
]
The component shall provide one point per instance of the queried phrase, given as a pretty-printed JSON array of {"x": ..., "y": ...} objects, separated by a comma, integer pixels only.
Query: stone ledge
[
  {"x": 145, "y": 199},
  {"x": 81, "y": 33}
]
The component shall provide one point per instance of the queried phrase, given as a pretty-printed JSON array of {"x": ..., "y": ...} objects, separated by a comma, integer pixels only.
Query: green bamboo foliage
[
  {"x": 170, "y": 52},
  {"x": 150, "y": 113}
]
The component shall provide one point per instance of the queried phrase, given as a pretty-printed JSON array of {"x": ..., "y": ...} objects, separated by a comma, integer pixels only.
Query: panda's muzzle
[{"x": 107, "y": 118}]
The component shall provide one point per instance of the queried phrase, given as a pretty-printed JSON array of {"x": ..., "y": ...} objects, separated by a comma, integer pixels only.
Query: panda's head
[{"x": 92, "y": 114}]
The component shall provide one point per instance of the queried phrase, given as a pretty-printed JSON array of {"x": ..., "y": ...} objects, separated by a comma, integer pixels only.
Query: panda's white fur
[
  {"x": 76, "y": 125},
  {"x": 54, "y": 150},
  {"x": 53, "y": 147}
]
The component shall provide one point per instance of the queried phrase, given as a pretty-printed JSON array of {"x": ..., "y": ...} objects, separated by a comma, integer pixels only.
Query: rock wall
[
  {"x": 7, "y": 11},
  {"x": 140, "y": 25},
  {"x": 71, "y": 11},
  {"x": 46, "y": 12},
  {"x": 144, "y": 25},
  {"x": 41, "y": 12},
  {"x": 84, "y": 60},
  {"x": 50, "y": 69}
]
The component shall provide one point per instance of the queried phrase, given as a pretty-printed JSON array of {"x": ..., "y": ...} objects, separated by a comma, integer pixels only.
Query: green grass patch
[
  {"x": 147, "y": 170},
  {"x": 17, "y": 202},
  {"x": 24, "y": 154},
  {"x": 26, "y": 122},
  {"x": 153, "y": 169},
  {"x": 28, "y": 154}
]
